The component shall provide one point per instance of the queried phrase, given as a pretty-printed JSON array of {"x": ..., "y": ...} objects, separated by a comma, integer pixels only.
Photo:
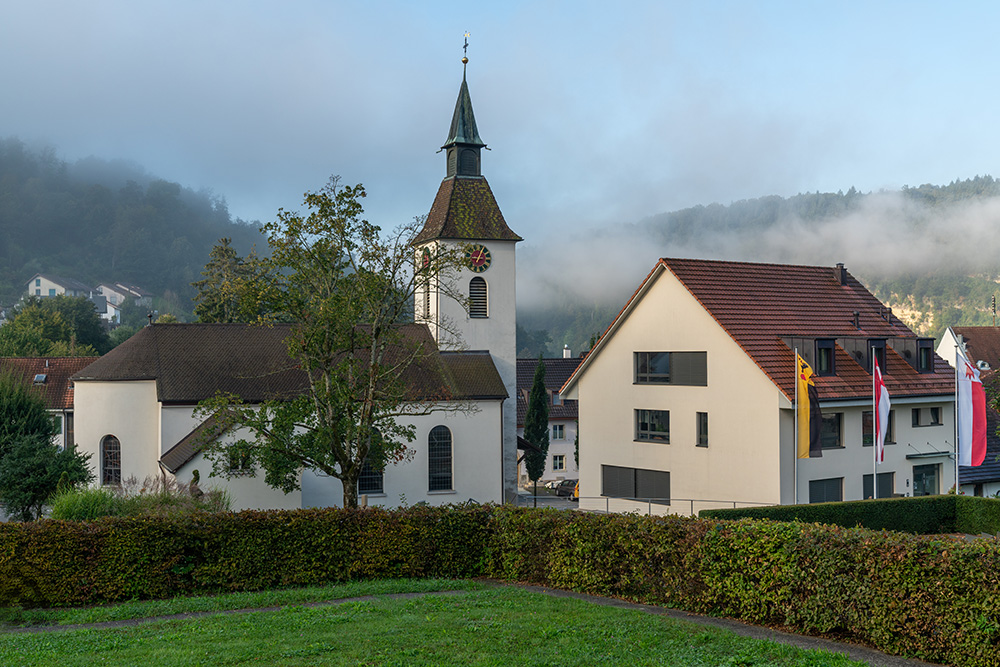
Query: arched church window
[
  {"x": 478, "y": 301},
  {"x": 439, "y": 457},
  {"x": 111, "y": 461}
]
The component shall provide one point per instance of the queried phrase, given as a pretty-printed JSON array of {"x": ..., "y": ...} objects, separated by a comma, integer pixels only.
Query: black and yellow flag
[{"x": 810, "y": 417}]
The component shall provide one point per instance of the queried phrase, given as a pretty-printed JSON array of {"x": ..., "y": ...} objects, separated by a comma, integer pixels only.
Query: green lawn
[{"x": 479, "y": 626}]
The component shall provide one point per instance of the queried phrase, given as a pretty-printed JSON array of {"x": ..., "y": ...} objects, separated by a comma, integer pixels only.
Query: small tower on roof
[{"x": 465, "y": 215}]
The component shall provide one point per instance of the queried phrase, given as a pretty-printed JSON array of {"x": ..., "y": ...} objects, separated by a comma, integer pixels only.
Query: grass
[{"x": 481, "y": 626}]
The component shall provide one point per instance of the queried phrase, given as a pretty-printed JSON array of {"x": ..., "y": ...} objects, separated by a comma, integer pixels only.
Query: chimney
[
  {"x": 567, "y": 354},
  {"x": 857, "y": 320},
  {"x": 840, "y": 274}
]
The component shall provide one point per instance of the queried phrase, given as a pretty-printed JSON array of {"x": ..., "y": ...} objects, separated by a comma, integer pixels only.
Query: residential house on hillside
[
  {"x": 136, "y": 415},
  {"x": 43, "y": 285},
  {"x": 561, "y": 461},
  {"x": 118, "y": 293},
  {"x": 686, "y": 402},
  {"x": 50, "y": 378},
  {"x": 982, "y": 347}
]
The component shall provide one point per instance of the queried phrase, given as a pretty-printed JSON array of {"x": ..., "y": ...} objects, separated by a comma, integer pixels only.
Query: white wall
[
  {"x": 127, "y": 410},
  {"x": 476, "y": 465}
]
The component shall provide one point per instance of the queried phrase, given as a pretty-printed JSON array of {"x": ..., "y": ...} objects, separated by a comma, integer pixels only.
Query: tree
[
  {"x": 22, "y": 413},
  {"x": 226, "y": 294},
  {"x": 536, "y": 426},
  {"x": 59, "y": 326},
  {"x": 347, "y": 289},
  {"x": 32, "y": 470}
]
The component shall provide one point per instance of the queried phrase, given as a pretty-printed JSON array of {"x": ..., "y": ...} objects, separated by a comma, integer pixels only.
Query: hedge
[
  {"x": 934, "y": 598},
  {"x": 925, "y": 515}
]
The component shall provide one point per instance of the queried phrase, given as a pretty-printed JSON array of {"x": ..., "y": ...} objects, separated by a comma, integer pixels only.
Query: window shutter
[{"x": 478, "y": 305}]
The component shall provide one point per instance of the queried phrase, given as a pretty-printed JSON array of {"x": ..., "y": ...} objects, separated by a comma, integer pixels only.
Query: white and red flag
[
  {"x": 881, "y": 413},
  {"x": 971, "y": 403}
]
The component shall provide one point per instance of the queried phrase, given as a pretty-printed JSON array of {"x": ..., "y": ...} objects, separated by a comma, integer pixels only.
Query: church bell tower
[{"x": 465, "y": 217}]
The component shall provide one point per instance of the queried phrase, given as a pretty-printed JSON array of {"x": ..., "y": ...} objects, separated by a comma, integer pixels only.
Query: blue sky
[{"x": 595, "y": 114}]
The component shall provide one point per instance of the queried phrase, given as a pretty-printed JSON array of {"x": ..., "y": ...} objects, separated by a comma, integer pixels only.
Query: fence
[{"x": 650, "y": 506}]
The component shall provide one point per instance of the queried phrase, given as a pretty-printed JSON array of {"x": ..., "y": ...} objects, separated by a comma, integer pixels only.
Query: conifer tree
[{"x": 536, "y": 426}]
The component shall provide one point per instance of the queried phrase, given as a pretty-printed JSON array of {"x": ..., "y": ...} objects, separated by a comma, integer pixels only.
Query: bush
[
  {"x": 155, "y": 497},
  {"x": 931, "y": 598},
  {"x": 924, "y": 515}
]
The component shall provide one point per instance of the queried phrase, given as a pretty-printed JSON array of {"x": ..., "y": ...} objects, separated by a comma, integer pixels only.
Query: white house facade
[
  {"x": 686, "y": 403},
  {"x": 44, "y": 285}
]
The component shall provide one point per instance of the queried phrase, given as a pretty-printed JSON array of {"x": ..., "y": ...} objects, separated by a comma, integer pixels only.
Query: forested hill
[
  {"x": 931, "y": 252},
  {"x": 96, "y": 221}
]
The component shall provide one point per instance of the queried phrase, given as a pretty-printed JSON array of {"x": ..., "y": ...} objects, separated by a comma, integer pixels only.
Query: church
[{"x": 136, "y": 406}]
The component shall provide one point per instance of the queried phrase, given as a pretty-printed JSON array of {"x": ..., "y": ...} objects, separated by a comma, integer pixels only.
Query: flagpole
[
  {"x": 875, "y": 433},
  {"x": 795, "y": 441},
  {"x": 956, "y": 418}
]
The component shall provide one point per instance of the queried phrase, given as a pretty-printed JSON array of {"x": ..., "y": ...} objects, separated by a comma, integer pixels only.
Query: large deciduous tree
[
  {"x": 347, "y": 289},
  {"x": 59, "y": 326},
  {"x": 536, "y": 426}
]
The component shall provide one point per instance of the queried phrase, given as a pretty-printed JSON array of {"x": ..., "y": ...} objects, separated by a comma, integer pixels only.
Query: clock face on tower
[{"x": 477, "y": 258}]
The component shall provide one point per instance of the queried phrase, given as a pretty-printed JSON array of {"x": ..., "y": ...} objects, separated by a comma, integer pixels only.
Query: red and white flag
[
  {"x": 881, "y": 413},
  {"x": 971, "y": 402}
]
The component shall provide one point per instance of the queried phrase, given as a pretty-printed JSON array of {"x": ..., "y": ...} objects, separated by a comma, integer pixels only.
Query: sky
[{"x": 596, "y": 114}]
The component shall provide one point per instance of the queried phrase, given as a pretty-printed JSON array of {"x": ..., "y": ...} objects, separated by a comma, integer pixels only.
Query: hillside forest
[{"x": 931, "y": 252}]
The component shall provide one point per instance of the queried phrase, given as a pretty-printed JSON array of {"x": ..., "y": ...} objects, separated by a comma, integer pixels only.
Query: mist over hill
[
  {"x": 932, "y": 253},
  {"x": 101, "y": 220}
]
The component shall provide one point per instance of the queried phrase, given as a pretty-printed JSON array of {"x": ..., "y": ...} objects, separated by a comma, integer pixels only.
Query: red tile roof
[
  {"x": 57, "y": 390},
  {"x": 981, "y": 343},
  {"x": 557, "y": 371},
  {"x": 758, "y": 304}
]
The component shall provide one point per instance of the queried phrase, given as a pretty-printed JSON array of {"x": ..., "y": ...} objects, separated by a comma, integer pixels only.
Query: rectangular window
[
  {"x": 885, "y": 485},
  {"x": 925, "y": 355},
  {"x": 876, "y": 350},
  {"x": 635, "y": 483},
  {"x": 825, "y": 364},
  {"x": 52, "y": 291},
  {"x": 38, "y": 282},
  {"x": 370, "y": 481},
  {"x": 556, "y": 398},
  {"x": 558, "y": 432},
  {"x": 826, "y": 490},
  {"x": 38, "y": 292},
  {"x": 238, "y": 460},
  {"x": 926, "y": 480},
  {"x": 558, "y": 462},
  {"x": 70, "y": 442},
  {"x": 926, "y": 416},
  {"x": 680, "y": 368},
  {"x": 652, "y": 425},
  {"x": 831, "y": 431},
  {"x": 868, "y": 428},
  {"x": 702, "y": 419}
]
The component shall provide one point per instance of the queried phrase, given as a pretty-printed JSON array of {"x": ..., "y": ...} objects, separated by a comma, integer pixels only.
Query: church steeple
[{"x": 464, "y": 144}]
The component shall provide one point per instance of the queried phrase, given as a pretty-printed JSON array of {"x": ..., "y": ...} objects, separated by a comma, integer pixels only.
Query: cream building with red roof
[{"x": 686, "y": 402}]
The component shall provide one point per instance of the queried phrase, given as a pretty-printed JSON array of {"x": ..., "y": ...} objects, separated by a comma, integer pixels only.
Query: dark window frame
[
  {"x": 885, "y": 489},
  {"x": 826, "y": 357},
  {"x": 829, "y": 418},
  {"x": 644, "y": 432},
  {"x": 879, "y": 345},
  {"x": 868, "y": 429},
  {"x": 111, "y": 461},
  {"x": 683, "y": 368},
  {"x": 701, "y": 428},
  {"x": 829, "y": 490},
  {"x": 925, "y": 355},
  {"x": 631, "y": 483},
  {"x": 440, "y": 459},
  {"x": 371, "y": 482}
]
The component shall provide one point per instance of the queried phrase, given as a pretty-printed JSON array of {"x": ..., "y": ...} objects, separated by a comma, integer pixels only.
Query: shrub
[{"x": 155, "y": 497}]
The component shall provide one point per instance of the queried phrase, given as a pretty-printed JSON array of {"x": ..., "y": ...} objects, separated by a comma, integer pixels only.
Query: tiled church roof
[
  {"x": 465, "y": 208},
  {"x": 191, "y": 362}
]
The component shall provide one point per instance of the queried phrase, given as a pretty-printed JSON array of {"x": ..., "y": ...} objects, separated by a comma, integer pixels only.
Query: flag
[
  {"x": 971, "y": 403},
  {"x": 810, "y": 417},
  {"x": 881, "y": 412}
]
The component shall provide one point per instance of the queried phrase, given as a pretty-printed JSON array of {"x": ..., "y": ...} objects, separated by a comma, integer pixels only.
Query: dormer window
[
  {"x": 876, "y": 350},
  {"x": 925, "y": 355},
  {"x": 825, "y": 357}
]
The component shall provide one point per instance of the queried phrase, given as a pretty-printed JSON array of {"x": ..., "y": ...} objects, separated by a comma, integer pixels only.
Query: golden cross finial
[{"x": 465, "y": 49}]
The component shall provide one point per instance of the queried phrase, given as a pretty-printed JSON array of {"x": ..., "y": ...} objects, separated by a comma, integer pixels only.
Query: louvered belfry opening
[{"x": 478, "y": 301}]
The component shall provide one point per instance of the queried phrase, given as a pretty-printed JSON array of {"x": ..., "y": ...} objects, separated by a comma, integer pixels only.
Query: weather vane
[{"x": 465, "y": 49}]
